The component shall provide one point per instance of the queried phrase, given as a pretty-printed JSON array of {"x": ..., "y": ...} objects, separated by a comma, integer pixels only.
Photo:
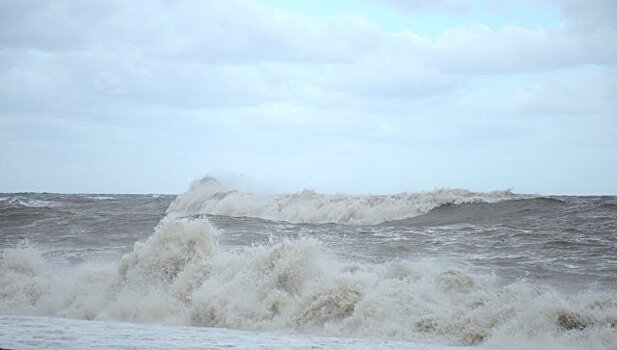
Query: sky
[{"x": 349, "y": 96}]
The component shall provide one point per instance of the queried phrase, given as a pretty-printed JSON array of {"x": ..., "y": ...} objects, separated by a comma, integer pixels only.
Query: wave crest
[
  {"x": 26, "y": 202},
  {"x": 22, "y": 277},
  {"x": 175, "y": 245},
  {"x": 209, "y": 196}
]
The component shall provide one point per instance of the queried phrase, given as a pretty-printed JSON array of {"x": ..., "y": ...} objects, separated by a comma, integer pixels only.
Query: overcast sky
[{"x": 356, "y": 96}]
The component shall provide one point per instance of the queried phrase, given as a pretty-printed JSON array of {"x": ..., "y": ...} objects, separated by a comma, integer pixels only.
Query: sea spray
[
  {"x": 22, "y": 277},
  {"x": 181, "y": 276}
]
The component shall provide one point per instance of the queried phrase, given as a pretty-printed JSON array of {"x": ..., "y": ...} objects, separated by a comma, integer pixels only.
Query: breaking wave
[
  {"x": 208, "y": 196},
  {"x": 22, "y": 201},
  {"x": 181, "y": 276}
]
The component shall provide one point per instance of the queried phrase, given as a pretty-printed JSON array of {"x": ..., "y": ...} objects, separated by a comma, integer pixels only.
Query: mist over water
[{"x": 441, "y": 267}]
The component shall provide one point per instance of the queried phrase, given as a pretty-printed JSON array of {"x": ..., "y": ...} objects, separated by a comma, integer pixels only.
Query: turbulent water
[{"x": 447, "y": 267}]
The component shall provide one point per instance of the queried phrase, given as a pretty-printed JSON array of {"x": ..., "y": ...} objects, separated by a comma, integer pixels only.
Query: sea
[{"x": 223, "y": 268}]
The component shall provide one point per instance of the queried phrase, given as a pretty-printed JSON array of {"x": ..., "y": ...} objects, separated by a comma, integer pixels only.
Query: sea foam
[{"x": 181, "y": 276}]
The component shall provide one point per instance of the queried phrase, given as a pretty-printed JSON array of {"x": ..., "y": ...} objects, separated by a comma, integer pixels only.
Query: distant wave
[
  {"x": 100, "y": 198},
  {"x": 209, "y": 196},
  {"x": 22, "y": 201}
]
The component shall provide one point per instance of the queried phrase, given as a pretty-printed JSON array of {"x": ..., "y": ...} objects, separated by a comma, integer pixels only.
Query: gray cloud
[
  {"x": 211, "y": 54},
  {"x": 589, "y": 14},
  {"x": 56, "y": 25}
]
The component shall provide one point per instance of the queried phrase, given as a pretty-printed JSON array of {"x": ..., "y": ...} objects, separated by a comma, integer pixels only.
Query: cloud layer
[{"x": 247, "y": 87}]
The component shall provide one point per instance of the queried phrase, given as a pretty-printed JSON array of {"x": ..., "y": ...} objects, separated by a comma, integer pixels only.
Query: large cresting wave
[{"x": 209, "y": 196}]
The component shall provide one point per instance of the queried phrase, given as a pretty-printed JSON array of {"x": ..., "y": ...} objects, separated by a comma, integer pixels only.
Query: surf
[{"x": 209, "y": 196}]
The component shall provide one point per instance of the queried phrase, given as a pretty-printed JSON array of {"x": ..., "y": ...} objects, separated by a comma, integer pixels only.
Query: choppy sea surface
[{"x": 217, "y": 267}]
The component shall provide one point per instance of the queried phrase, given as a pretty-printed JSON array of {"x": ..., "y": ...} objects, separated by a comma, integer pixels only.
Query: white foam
[
  {"x": 22, "y": 201},
  {"x": 21, "y": 332},
  {"x": 23, "y": 278},
  {"x": 100, "y": 198},
  {"x": 179, "y": 276},
  {"x": 208, "y": 196}
]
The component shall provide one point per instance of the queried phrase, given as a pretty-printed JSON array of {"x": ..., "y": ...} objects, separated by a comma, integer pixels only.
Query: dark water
[
  {"x": 570, "y": 242},
  {"x": 79, "y": 227}
]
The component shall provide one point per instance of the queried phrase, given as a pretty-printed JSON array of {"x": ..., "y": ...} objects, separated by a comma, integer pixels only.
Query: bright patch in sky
[{"x": 431, "y": 18}]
